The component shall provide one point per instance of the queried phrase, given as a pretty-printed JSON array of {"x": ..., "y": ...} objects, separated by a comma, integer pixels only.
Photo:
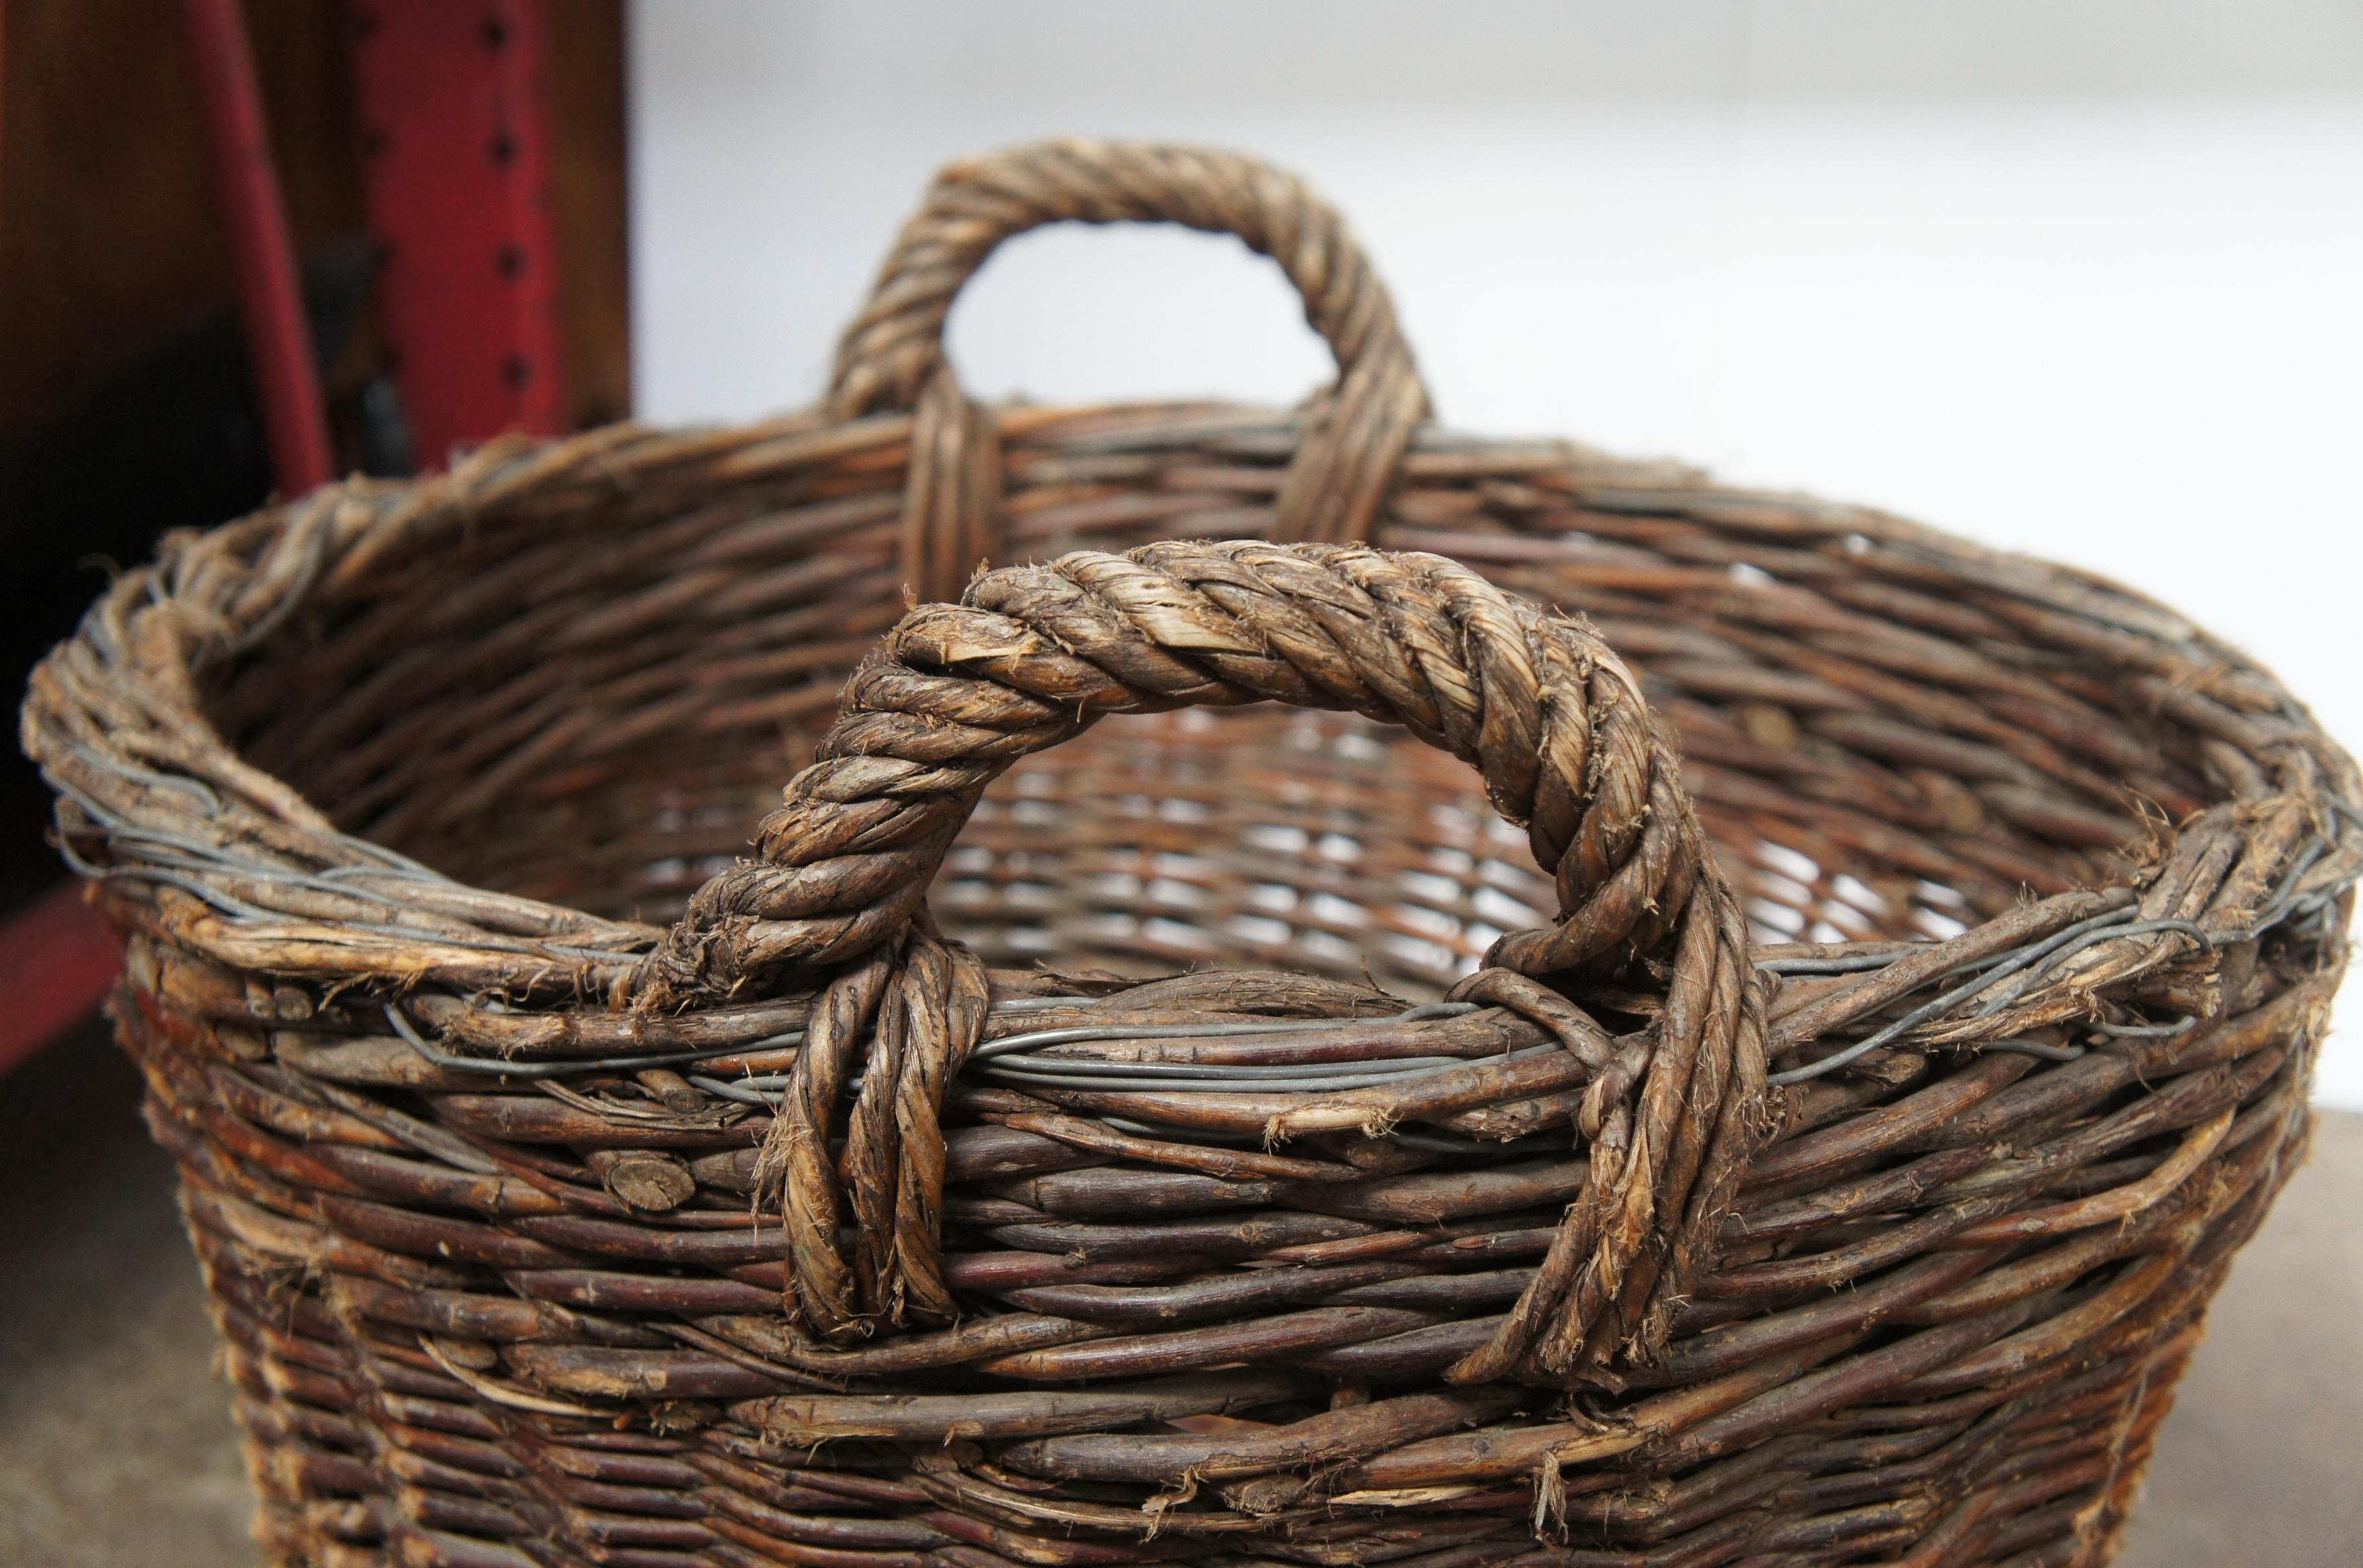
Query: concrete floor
[{"x": 117, "y": 1448}]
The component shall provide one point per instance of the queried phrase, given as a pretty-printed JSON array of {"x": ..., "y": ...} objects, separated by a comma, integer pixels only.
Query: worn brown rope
[
  {"x": 924, "y": 1001},
  {"x": 1553, "y": 721},
  {"x": 893, "y": 354},
  {"x": 952, "y": 507}
]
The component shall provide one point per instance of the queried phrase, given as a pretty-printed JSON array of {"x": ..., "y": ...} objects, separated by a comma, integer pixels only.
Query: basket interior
[{"x": 595, "y": 707}]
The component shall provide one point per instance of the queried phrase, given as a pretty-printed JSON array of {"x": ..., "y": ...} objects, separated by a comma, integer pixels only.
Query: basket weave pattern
[{"x": 1415, "y": 1088}]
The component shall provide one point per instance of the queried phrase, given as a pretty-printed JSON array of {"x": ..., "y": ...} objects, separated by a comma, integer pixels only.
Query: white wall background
[{"x": 2078, "y": 277}]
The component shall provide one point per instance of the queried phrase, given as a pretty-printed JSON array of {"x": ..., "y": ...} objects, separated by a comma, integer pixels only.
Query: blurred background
[{"x": 2076, "y": 277}]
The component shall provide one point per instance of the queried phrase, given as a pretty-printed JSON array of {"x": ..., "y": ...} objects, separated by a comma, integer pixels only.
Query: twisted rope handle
[
  {"x": 892, "y": 356},
  {"x": 1033, "y": 655}
]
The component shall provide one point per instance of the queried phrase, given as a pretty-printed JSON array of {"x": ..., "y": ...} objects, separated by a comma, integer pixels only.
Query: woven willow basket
[{"x": 1824, "y": 1156}]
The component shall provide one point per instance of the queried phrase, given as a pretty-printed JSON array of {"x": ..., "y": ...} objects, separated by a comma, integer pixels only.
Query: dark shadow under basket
[{"x": 1246, "y": 1154}]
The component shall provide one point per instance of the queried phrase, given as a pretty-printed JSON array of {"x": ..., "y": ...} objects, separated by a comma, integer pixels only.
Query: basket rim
[{"x": 215, "y": 595}]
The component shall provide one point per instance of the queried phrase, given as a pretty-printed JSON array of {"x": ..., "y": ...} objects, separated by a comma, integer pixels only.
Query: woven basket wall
[{"x": 1584, "y": 1017}]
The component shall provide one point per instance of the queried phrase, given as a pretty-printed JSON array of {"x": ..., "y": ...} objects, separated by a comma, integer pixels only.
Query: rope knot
[{"x": 919, "y": 1002}]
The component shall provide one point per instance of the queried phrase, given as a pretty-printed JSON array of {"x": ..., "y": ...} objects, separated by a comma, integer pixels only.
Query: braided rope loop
[
  {"x": 1558, "y": 731},
  {"x": 892, "y": 356}
]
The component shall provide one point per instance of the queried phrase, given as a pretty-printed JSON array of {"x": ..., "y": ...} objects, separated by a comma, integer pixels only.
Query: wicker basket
[{"x": 1826, "y": 1157}]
